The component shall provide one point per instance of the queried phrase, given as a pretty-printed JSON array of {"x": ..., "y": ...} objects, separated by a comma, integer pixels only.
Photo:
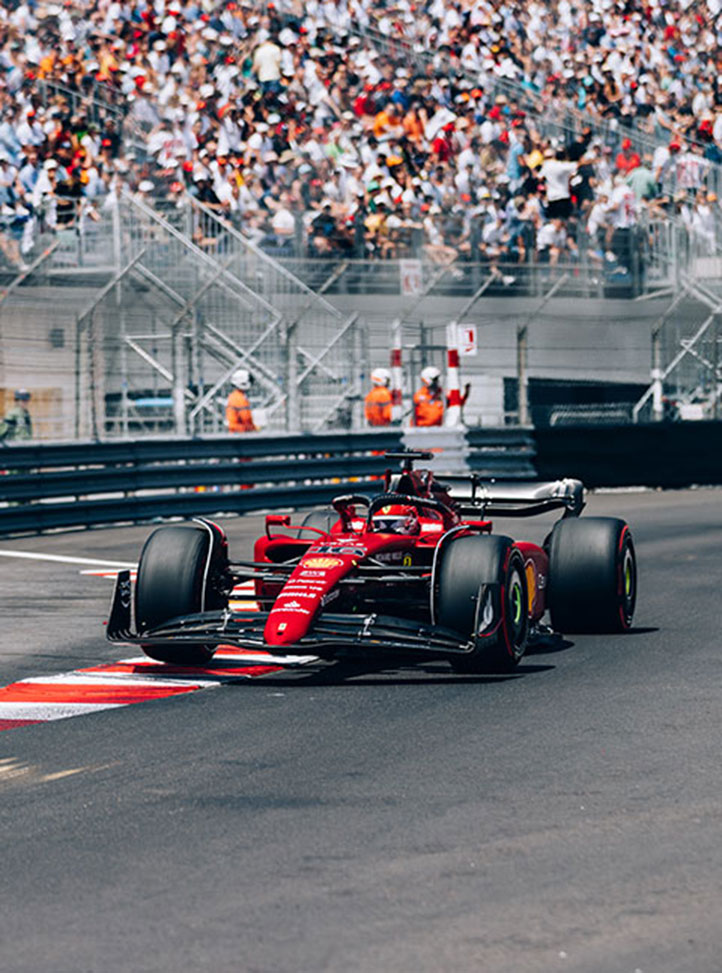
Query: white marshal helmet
[
  {"x": 430, "y": 375},
  {"x": 241, "y": 379},
  {"x": 381, "y": 376}
]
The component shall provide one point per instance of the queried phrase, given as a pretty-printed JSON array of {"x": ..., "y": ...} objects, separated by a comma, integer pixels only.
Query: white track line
[
  {"x": 116, "y": 679},
  {"x": 63, "y": 559},
  {"x": 51, "y": 711}
]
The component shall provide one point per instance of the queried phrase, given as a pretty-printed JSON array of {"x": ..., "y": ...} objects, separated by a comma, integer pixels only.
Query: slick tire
[
  {"x": 466, "y": 565},
  {"x": 592, "y": 576},
  {"x": 176, "y": 575}
]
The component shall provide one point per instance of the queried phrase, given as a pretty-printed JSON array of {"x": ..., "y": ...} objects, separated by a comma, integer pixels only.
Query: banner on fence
[{"x": 412, "y": 283}]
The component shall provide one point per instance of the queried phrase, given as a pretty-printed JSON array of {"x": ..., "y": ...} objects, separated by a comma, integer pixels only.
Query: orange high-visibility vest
[
  {"x": 428, "y": 407},
  {"x": 378, "y": 406},
  {"x": 238, "y": 413}
]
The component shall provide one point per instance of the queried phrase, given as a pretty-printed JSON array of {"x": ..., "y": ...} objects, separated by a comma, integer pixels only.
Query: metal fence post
[
  {"x": 179, "y": 405},
  {"x": 521, "y": 372},
  {"x": 117, "y": 237},
  {"x": 76, "y": 383},
  {"x": 293, "y": 413},
  {"x": 92, "y": 376},
  {"x": 716, "y": 385},
  {"x": 657, "y": 375}
]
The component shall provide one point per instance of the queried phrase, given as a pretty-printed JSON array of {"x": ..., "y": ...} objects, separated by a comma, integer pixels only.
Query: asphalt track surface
[{"x": 566, "y": 818}]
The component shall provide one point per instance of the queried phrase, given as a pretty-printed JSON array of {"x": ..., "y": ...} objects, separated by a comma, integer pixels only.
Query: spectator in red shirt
[
  {"x": 627, "y": 159},
  {"x": 442, "y": 146}
]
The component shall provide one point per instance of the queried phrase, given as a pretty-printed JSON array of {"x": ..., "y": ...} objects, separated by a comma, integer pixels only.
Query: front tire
[
  {"x": 180, "y": 572},
  {"x": 592, "y": 576},
  {"x": 468, "y": 564}
]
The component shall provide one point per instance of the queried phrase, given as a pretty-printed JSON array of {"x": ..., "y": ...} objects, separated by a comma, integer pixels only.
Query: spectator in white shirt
[{"x": 556, "y": 173}]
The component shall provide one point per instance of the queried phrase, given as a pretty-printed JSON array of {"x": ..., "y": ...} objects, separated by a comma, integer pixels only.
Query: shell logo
[{"x": 322, "y": 562}]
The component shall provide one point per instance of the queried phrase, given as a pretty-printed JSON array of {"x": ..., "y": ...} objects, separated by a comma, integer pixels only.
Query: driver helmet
[
  {"x": 430, "y": 375},
  {"x": 22, "y": 395},
  {"x": 398, "y": 520},
  {"x": 241, "y": 379},
  {"x": 381, "y": 376}
]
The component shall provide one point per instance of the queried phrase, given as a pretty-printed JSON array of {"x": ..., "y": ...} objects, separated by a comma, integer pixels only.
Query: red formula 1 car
[{"x": 416, "y": 570}]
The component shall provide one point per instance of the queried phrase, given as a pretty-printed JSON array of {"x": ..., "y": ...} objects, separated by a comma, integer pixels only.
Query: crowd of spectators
[{"x": 369, "y": 130}]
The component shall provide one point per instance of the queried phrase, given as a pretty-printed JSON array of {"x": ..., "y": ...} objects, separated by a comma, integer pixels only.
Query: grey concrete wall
[
  {"x": 569, "y": 339},
  {"x": 601, "y": 340}
]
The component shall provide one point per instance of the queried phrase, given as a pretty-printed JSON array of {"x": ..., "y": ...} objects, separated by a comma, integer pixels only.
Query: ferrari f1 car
[{"x": 416, "y": 570}]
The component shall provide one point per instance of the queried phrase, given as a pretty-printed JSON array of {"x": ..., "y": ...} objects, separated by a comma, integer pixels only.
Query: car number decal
[{"x": 353, "y": 549}]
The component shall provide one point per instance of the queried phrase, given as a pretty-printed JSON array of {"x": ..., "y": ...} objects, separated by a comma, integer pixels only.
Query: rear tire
[
  {"x": 466, "y": 565},
  {"x": 178, "y": 574},
  {"x": 592, "y": 576}
]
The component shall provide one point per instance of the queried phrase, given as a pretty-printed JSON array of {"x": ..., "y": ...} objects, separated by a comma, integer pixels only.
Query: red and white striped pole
[
  {"x": 397, "y": 378},
  {"x": 452, "y": 415}
]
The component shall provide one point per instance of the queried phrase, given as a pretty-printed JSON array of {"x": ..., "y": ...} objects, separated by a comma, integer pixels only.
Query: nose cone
[{"x": 286, "y": 627}]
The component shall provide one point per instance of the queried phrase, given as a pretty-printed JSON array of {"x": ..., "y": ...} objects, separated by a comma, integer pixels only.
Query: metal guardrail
[
  {"x": 660, "y": 454},
  {"x": 90, "y": 483},
  {"x": 86, "y": 484},
  {"x": 509, "y": 453}
]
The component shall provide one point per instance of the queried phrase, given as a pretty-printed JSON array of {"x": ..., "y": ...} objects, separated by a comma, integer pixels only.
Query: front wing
[{"x": 329, "y": 633}]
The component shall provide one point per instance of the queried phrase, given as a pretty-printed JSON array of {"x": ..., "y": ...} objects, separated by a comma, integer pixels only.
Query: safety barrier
[
  {"x": 669, "y": 454},
  {"x": 87, "y": 484},
  {"x": 507, "y": 453}
]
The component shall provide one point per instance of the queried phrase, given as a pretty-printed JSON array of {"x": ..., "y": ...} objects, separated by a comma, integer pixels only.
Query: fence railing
[{"x": 647, "y": 256}]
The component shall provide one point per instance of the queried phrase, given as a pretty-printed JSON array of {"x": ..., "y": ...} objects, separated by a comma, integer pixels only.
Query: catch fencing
[
  {"x": 132, "y": 324},
  {"x": 169, "y": 303}
]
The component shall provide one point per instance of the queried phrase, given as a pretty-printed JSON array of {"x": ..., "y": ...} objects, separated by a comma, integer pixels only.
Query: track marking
[
  {"x": 43, "y": 699},
  {"x": 12, "y": 769},
  {"x": 66, "y": 559}
]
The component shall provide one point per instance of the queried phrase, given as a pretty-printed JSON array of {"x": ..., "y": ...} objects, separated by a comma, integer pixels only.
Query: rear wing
[{"x": 508, "y": 498}]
